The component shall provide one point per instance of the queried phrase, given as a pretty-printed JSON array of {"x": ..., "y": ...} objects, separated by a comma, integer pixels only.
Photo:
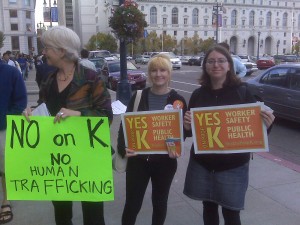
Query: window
[
  {"x": 14, "y": 27},
  {"x": 284, "y": 34},
  {"x": 174, "y": 16},
  {"x": 12, "y": 1},
  {"x": 233, "y": 17},
  {"x": 251, "y": 19},
  {"x": 284, "y": 42},
  {"x": 243, "y": 23},
  {"x": 276, "y": 77},
  {"x": 28, "y": 14},
  {"x": 224, "y": 22},
  {"x": 13, "y": 13},
  {"x": 185, "y": 10},
  {"x": 175, "y": 32},
  {"x": 153, "y": 15},
  {"x": 30, "y": 43},
  {"x": 244, "y": 12},
  {"x": 185, "y": 33},
  {"x": 164, "y": 9},
  {"x": 195, "y": 33},
  {"x": 284, "y": 19},
  {"x": 185, "y": 21},
  {"x": 205, "y": 33},
  {"x": 142, "y": 8},
  {"x": 269, "y": 19},
  {"x": 15, "y": 44},
  {"x": 195, "y": 16},
  {"x": 28, "y": 27},
  {"x": 299, "y": 22},
  {"x": 205, "y": 10},
  {"x": 205, "y": 21},
  {"x": 277, "y": 23},
  {"x": 27, "y": 2},
  {"x": 270, "y": 3},
  {"x": 164, "y": 21},
  {"x": 295, "y": 80}
]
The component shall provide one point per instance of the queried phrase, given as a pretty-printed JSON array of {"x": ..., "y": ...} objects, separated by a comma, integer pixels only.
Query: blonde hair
[
  {"x": 160, "y": 61},
  {"x": 61, "y": 37}
]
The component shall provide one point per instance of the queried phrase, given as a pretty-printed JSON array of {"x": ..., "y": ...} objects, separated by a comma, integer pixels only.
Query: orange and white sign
[
  {"x": 229, "y": 129},
  {"x": 146, "y": 132}
]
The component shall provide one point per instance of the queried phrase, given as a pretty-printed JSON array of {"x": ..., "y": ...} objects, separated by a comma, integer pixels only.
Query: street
[{"x": 284, "y": 138}]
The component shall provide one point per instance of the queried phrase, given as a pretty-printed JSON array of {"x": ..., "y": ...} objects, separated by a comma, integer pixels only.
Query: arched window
[
  {"x": 269, "y": 20},
  {"x": 195, "y": 16},
  {"x": 233, "y": 17},
  {"x": 251, "y": 19},
  {"x": 153, "y": 15},
  {"x": 174, "y": 16},
  {"x": 284, "y": 19}
]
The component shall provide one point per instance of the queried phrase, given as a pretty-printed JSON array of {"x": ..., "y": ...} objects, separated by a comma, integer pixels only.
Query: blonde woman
[{"x": 159, "y": 168}]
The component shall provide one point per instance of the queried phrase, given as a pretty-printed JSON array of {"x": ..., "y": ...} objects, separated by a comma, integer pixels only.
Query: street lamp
[
  {"x": 277, "y": 45},
  {"x": 216, "y": 9},
  {"x": 124, "y": 88},
  {"x": 50, "y": 12},
  {"x": 258, "y": 40}
]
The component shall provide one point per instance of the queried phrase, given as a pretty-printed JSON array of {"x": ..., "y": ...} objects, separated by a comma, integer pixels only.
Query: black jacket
[
  {"x": 206, "y": 97},
  {"x": 144, "y": 106}
]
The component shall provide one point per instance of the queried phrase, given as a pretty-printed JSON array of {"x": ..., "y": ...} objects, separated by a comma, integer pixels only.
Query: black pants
[
  {"x": 211, "y": 215},
  {"x": 139, "y": 172},
  {"x": 92, "y": 213}
]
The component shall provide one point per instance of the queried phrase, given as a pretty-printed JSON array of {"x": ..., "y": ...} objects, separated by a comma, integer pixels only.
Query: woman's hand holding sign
[
  {"x": 187, "y": 120},
  {"x": 130, "y": 153}
]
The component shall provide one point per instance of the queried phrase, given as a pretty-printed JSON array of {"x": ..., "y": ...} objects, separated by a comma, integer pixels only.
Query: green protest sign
[{"x": 70, "y": 160}]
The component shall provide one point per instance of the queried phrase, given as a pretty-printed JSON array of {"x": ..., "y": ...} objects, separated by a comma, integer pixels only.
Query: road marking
[
  {"x": 198, "y": 85},
  {"x": 182, "y": 90}
]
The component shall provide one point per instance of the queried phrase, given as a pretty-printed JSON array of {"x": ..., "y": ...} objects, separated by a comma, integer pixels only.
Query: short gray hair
[{"x": 63, "y": 38}]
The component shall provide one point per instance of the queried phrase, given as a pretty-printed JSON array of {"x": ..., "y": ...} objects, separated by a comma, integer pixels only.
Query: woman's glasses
[{"x": 218, "y": 61}]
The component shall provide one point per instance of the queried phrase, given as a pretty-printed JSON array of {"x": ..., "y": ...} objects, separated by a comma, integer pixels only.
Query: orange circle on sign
[{"x": 178, "y": 104}]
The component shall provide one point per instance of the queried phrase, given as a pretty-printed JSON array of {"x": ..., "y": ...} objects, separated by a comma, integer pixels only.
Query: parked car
[
  {"x": 101, "y": 53},
  {"x": 279, "y": 88},
  {"x": 249, "y": 64},
  {"x": 176, "y": 63},
  {"x": 99, "y": 62},
  {"x": 265, "y": 62},
  {"x": 185, "y": 59},
  {"x": 143, "y": 59},
  {"x": 111, "y": 74},
  {"x": 196, "y": 60},
  {"x": 279, "y": 59}
]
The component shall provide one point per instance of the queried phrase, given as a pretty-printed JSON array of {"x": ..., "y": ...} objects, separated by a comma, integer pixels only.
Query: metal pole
[
  {"x": 124, "y": 88},
  {"x": 50, "y": 13},
  {"x": 258, "y": 40},
  {"x": 217, "y": 24}
]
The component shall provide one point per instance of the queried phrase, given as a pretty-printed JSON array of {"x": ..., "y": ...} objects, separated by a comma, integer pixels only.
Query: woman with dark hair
[{"x": 219, "y": 179}]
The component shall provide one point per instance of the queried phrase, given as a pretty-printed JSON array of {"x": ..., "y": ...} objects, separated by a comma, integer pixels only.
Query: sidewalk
[{"x": 272, "y": 197}]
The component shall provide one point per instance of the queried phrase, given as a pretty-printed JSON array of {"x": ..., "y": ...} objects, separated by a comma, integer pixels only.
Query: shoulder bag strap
[{"x": 137, "y": 100}]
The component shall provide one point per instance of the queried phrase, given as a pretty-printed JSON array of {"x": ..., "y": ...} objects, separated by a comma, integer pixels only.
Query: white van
[
  {"x": 101, "y": 54},
  {"x": 176, "y": 62}
]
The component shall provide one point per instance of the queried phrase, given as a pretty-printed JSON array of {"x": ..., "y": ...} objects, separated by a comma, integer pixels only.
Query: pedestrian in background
[
  {"x": 219, "y": 179},
  {"x": 85, "y": 61},
  {"x": 13, "y": 100},
  {"x": 239, "y": 68},
  {"x": 159, "y": 168},
  {"x": 72, "y": 90}
]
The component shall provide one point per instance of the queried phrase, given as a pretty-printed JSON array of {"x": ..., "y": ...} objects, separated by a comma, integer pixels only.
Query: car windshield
[
  {"x": 102, "y": 54},
  {"x": 98, "y": 63},
  {"x": 115, "y": 67}
]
